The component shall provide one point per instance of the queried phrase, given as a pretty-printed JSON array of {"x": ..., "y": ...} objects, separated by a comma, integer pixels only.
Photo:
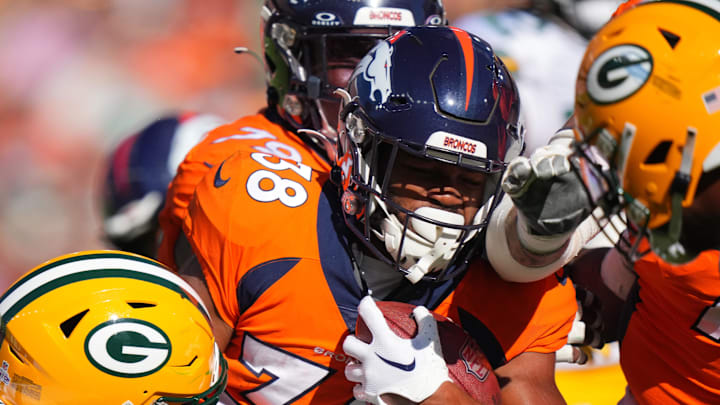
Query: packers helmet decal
[
  {"x": 128, "y": 348},
  {"x": 618, "y": 73},
  {"x": 117, "y": 322}
]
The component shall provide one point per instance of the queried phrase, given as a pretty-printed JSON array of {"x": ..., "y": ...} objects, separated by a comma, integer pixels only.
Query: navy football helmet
[
  {"x": 435, "y": 93},
  {"x": 138, "y": 173},
  {"x": 305, "y": 41}
]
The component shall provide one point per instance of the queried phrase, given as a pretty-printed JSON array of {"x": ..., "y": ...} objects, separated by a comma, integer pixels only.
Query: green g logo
[
  {"x": 127, "y": 348},
  {"x": 618, "y": 73}
]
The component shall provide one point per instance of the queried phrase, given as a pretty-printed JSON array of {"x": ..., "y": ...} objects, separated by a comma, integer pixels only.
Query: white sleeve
[
  {"x": 520, "y": 257},
  {"x": 515, "y": 262}
]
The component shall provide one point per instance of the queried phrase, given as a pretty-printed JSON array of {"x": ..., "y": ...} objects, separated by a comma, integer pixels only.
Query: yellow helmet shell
[
  {"x": 653, "y": 73},
  {"x": 103, "y": 327}
]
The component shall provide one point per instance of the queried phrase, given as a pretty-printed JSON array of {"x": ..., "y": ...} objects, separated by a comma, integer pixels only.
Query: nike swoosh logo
[
  {"x": 404, "y": 367},
  {"x": 219, "y": 181}
]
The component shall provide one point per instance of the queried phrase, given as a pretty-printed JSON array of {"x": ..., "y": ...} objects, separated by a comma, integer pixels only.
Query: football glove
[
  {"x": 550, "y": 198},
  {"x": 411, "y": 368}
]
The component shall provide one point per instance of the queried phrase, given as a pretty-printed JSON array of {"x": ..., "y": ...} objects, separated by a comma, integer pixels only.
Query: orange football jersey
[
  {"x": 274, "y": 249},
  {"x": 671, "y": 350},
  {"x": 255, "y": 133}
]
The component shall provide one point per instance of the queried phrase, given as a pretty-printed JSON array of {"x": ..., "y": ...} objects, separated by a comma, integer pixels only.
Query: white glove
[
  {"x": 549, "y": 197},
  {"x": 411, "y": 368}
]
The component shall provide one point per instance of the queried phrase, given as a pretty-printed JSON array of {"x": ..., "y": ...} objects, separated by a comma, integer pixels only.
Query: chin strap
[
  {"x": 668, "y": 245},
  {"x": 437, "y": 257},
  {"x": 423, "y": 247}
]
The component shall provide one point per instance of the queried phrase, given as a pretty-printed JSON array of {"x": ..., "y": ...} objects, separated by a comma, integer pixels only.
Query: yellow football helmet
[
  {"x": 106, "y": 327},
  {"x": 648, "y": 103}
]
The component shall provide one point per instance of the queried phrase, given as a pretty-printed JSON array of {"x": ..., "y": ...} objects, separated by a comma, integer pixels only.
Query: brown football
[{"x": 466, "y": 362}]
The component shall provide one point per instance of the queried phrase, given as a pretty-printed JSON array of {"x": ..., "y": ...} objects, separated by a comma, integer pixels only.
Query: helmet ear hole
[
  {"x": 398, "y": 103},
  {"x": 671, "y": 38},
  {"x": 659, "y": 154},
  {"x": 138, "y": 305},
  {"x": 68, "y": 326},
  {"x": 17, "y": 355}
]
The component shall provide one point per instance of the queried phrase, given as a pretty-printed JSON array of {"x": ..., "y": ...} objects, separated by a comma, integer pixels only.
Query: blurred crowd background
[{"x": 77, "y": 76}]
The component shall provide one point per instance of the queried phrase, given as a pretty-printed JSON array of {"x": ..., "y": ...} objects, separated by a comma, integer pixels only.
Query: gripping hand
[
  {"x": 586, "y": 332},
  {"x": 411, "y": 368},
  {"x": 549, "y": 197}
]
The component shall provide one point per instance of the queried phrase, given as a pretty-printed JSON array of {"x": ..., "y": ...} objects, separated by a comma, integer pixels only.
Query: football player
[
  {"x": 647, "y": 113},
  {"x": 310, "y": 49},
  {"x": 139, "y": 170},
  {"x": 106, "y": 327},
  {"x": 648, "y": 134},
  {"x": 286, "y": 252}
]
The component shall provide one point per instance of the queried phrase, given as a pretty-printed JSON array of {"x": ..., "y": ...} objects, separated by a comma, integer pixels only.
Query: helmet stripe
[
  {"x": 467, "y": 50},
  {"x": 710, "y": 7},
  {"x": 91, "y": 266}
]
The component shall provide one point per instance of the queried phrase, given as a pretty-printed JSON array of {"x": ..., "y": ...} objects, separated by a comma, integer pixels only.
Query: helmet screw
[
  {"x": 351, "y": 203},
  {"x": 292, "y": 105}
]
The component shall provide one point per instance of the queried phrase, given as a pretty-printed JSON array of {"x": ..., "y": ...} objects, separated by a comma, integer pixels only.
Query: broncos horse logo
[{"x": 375, "y": 69}]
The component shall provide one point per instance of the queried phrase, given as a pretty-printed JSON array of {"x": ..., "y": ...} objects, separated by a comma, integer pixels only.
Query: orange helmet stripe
[{"x": 466, "y": 45}]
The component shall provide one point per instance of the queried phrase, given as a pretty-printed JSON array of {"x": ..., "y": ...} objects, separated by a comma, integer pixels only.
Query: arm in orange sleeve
[
  {"x": 200, "y": 160},
  {"x": 206, "y": 229},
  {"x": 529, "y": 379},
  {"x": 179, "y": 193}
]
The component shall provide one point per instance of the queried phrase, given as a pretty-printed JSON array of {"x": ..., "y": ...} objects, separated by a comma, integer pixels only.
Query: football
[{"x": 467, "y": 365}]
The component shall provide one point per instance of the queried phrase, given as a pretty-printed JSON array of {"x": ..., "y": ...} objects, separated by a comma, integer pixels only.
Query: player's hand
[
  {"x": 586, "y": 332},
  {"x": 548, "y": 195},
  {"x": 411, "y": 368}
]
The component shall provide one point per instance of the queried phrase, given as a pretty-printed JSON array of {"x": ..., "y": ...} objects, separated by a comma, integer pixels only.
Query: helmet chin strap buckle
[
  {"x": 437, "y": 258},
  {"x": 428, "y": 246}
]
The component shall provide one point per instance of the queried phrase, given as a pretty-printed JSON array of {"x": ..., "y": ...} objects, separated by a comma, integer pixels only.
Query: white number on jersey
[
  {"x": 292, "y": 376},
  {"x": 272, "y": 147},
  {"x": 289, "y": 192},
  {"x": 302, "y": 170},
  {"x": 250, "y": 133}
]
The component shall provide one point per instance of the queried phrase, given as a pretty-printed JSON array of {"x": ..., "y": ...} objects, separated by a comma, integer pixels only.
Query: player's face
[{"x": 416, "y": 182}]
